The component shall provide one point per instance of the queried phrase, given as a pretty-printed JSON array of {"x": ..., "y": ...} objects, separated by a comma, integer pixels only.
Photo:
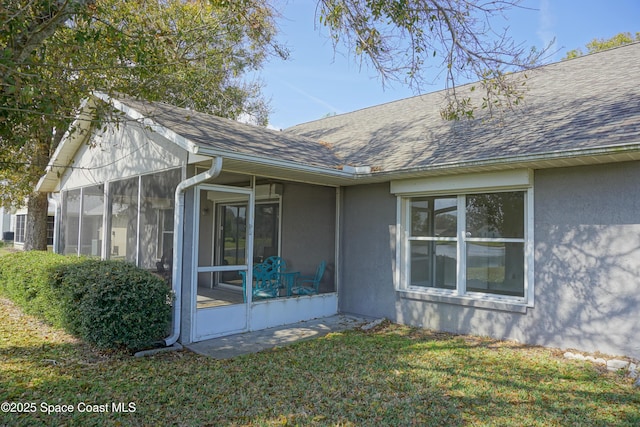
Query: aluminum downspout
[{"x": 178, "y": 238}]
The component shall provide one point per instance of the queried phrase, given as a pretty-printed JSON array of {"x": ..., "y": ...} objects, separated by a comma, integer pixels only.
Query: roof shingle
[
  {"x": 227, "y": 135},
  {"x": 588, "y": 102}
]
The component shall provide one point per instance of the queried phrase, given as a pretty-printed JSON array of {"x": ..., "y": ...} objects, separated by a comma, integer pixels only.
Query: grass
[
  {"x": 392, "y": 375},
  {"x": 6, "y": 248}
]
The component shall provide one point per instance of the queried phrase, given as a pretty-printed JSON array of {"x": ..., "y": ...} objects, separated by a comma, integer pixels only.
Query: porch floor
[
  {"x": 255, "y": 341},
  {"x": 208, "y": 297}
]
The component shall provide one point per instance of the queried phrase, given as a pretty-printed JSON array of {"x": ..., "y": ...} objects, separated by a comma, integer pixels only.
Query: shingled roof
[
  {"x": 229, "y": 136},
  {"x": 581, "y": 111},
  {"x": 588, "y": 104}
]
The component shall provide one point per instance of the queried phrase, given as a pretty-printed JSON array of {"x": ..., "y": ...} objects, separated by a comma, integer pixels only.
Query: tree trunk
[{"x": 35, "y": 236}]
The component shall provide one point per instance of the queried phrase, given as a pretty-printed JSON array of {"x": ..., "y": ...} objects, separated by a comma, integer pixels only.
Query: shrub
[
  {"x": 27, "y": 279},
  {"x": 110, "y": 304},
  {"x": 117, "y": 304}
]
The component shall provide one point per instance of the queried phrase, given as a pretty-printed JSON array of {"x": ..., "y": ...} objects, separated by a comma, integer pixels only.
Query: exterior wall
[
  {"x": 587, "y": 265},
  {"x": 119, "y": 153},
  {"x": 308, "y": 229},
  {"x": 368, "y": 251},
  {"x": 587, "y": 253}
]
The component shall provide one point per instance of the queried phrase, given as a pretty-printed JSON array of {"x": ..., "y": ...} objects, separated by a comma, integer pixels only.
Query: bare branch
[{"x": 406, "y": 40}]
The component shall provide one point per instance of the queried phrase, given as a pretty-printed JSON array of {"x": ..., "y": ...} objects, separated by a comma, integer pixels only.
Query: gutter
[
  {"x": 178, "y": 239},
  {"x": 273, "y": 162},
  {"x": 518, "y": 161}
]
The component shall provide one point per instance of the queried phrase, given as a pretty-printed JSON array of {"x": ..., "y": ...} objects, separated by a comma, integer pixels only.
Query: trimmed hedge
[
  {"x": 111, "y": 304},
  {"x": 27, "y": 279}
]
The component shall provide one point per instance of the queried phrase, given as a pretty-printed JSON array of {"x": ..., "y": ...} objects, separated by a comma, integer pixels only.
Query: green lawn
[
  {"x": 393, "y": 376},
  {"x": 6, "y": 249}
]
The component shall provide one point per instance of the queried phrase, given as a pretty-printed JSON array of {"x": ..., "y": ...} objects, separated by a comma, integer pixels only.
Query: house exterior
[
  {"x": 13, "y": 224},
  {"x": 5, "y": 225},
  {"x": 524, "y": 226},
  {"x": 18, "y": 225}
]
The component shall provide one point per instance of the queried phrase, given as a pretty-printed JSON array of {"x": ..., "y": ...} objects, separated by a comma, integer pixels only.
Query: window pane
[
  {"x": 91, "y": 228},
  {"x": 496, "y": 215},
  {"x": 433, "y": 264},
  {"x": 234, "y": 234},
  {"x": 156, "y": 220},
  {"x": 495, "y": 268},
  {"x": 71, "y": 220},
  {"x": 124, "y": 219},
  {"x": 265, "y": 243},
  {"x": 50, "y": 229},
  {"x": 21, "y": 221},
  {"x": 434, "y": 217}
]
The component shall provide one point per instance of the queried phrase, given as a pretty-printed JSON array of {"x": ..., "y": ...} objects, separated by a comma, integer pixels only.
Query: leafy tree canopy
[
  {"x": 53, "y": 54},
  {"x": 191, "y": 54},
  {"x": 597, "y": 45}
]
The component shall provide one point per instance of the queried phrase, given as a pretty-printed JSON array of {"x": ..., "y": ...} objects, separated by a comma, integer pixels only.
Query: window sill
[{"x": 467, "y": 301}]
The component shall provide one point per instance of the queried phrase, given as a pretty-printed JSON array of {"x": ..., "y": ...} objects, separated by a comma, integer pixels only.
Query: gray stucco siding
[
  {"x": 309, "y": 229},
  {"x": 587, "y": 257},
  {"x": 586, "y": 265},
  {"x": 368, "y": 251}
]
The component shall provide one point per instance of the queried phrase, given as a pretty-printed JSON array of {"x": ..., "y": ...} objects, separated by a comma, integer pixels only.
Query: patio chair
[
  {"x": 265, "y": 283},
  {"x": 275, "y": 264},
  {"x": 309, "y": 285}
]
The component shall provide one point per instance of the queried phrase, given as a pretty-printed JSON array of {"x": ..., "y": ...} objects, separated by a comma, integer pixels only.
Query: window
[
  {"x": 156, "y": 219},
  {"x": 92, "y": 207},
  {"x": 164, "y": 246},
  {"x": 123, "y": 231},
  {"x": 70, "y": 223},
  {"x": 494, "y": 243},
  {"x": 21, "y": 221},
  {"x": 266, "y": 241},
  {"x": 467, "y": 245},
  {"x": 51, "y": 221}
]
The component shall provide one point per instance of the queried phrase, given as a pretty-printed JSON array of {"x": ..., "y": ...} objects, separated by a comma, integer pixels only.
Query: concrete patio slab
[{"x": 255, "y": 341}]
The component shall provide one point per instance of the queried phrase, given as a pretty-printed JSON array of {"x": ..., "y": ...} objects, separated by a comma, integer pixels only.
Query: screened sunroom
[
  {"x": 246, "y": 240},
  {"x": 224, "y": 220},
  {"x": 127, "y": 219}
]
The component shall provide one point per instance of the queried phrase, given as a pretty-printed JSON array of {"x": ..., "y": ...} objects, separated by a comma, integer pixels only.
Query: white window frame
[
  {"x": 163, "y": 235},
  {"x": 461, "y": 186},
  {"x": 51, "y": 221},
  {"x": 20, "y": 229}
]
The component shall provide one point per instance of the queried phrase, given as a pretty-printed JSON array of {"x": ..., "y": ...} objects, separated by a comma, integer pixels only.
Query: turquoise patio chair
[
  {"x": 309, "y": 285},
  {"x": 265, "y": 284},
  {"x": 275, "y": 265}
]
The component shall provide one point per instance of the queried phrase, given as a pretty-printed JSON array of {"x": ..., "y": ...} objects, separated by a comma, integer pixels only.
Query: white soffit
[{"x": 517, "y": 178}]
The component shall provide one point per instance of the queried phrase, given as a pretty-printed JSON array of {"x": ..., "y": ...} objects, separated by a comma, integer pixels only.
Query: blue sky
[{"x": 317, "y": 81}]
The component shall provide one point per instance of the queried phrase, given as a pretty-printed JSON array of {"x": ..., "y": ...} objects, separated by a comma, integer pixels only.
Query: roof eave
[
  {"x": 73, "y": 138},
  {"x": 283, "y": 164},
  {"x": 575, "y": 157}
]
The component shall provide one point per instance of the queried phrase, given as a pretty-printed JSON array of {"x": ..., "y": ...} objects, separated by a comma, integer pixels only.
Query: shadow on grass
[
  {"x": 390, "y": 376},
  {"x": 506, "y": 383}
]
